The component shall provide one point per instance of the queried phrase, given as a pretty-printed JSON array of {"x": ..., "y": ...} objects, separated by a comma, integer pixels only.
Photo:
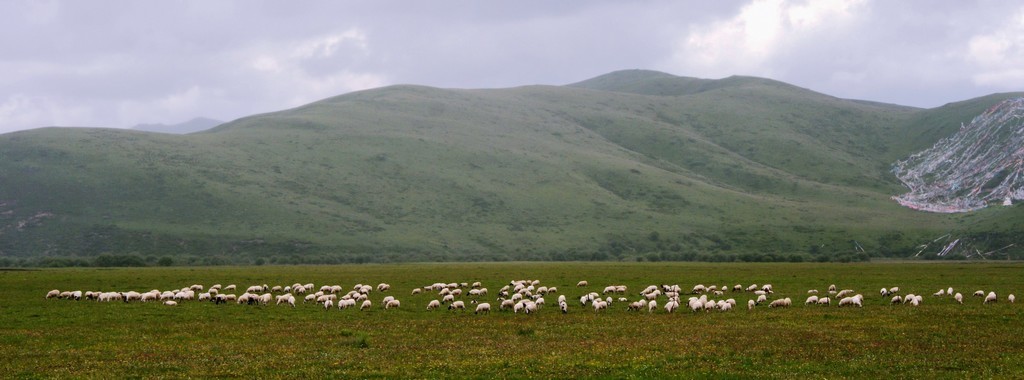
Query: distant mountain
[
  {"x": 195, "y": 125},
  {"x": 626, "y": 166},
  {"x": 982, "y": 163}
]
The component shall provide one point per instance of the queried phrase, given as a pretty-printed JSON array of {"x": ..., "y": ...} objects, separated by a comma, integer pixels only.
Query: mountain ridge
[{"x": 747, "y": 169}]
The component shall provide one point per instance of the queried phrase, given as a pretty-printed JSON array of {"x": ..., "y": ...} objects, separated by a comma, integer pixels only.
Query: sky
[{"x": 120, "y": 63}]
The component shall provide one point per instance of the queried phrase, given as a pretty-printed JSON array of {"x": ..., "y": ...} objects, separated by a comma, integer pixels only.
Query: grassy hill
[{"x": 633, "y": 164}]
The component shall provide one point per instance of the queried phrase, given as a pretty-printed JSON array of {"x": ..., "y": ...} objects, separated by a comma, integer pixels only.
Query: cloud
[
  {"x": 998, "y": 55},
  {"x": 761, "y": 32}
]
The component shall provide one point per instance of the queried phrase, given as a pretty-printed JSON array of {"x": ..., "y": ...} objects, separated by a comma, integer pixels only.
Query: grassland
[
  {"x": 940, "y": 339},
  {"x": 409, "y": 173}
]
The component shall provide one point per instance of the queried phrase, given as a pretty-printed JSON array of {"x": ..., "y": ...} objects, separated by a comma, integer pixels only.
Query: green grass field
[{"x": 43, "y": 338}]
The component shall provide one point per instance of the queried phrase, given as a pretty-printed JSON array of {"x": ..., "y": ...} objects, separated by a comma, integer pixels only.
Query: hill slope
[
  {"x": 626, "y": 165},
  {"x": 978, "y": 165},
  {"x": 191, "y": 126}
]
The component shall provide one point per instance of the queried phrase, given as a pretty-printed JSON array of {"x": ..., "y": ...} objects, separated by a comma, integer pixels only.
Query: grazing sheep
[
  {"x": 695, "y": 305},
  {"x": 457, "y": 305},
  {"x": 979, "y": 293},
  {"x": 530, "y": 306},
  {"x": 383, "y": 287},
  {"x": 519, "y": 306},
  {"x": 434, "y": 304},
  {"x": 506, "y": 304},
  {"x": 328, "y": 304},
  {"x": 812, "y": 291},
  {"x": 582, "y": 284},
  {"x": 949, "y": 290},
  {"x": 750, "y": 304},
  {"x": 651, "y": 306},
  {"x": 884, "y": 292},
  {"x": 671, "y": 306},
  {"x": 752, "y": 287},
  {"x": 367, "y": 304},
  {"x": 811, "y": 300},
  {"x": 170, "y": 303},
  {"x": 417, "y": 291},
  {"x": 346, "y": 303},
  {"x": 785, "y": 302},
  {"x": 483, "y": 308},
  {"x": 761, "y": 298},
  {"x": 600, "y": 305},
  {"x": 991, "y": 297},
  {"x": 286, "y": 298},
  {"x": 895, "y": 300},
  {"x": 959, "y": 298},
  {"x": 391, "y": 304},
  {"x": 844, "y": 293},
  {"x": 698, "y": 289},
  {"x": 52, "y": 294},
  {"x": 894, "y": 290},
  {"x": 564, "y": 307},
  {"x": 824, "y": 301},
  {"x": 725, "y": 306},
  {"x": 940, "y": 293},
  {"x": 832, "y": 288},
  {"x": 1011, "y": 298},
  {"x": 737, "y": 288}
]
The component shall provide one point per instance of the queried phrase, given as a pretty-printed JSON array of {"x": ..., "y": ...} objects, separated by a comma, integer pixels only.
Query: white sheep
[
  {"x": 671, "y": 306},
  {"x": 328, "y": 304},
  {"x": 530, "y": 306},
  {"x": 979, "y": 293},
  {"x": 366, "y": 305},
  {"x": 940, "y": 293},
  {"x": 433, "y": 304},
  {"x": 564, "y": 307},
  {"x": 457, "y": 305},
  {"x": 53, "y": 294},
  {"x": 991, "y": 297},
  {"x": 483, "y": 308},
  {"x": 600, "y": 305},
  {"x": 507, "y": 304},
  {"x": 170, "y": 303},
  {"x": 761, "y": 298},
  {"x": 582, "y": 284},
  {"x": 750, "y": 304},
  {"x": 383, "y": 287},
  {"x": 725, "y": 306},
  {"x": 811, "y": 300},
  {"x": 824, "y": 301},
  {"x": 651, "y": 306},
  {"x": 1011, "y": 298},
  {"x": 895, "y": 300},
  {"x": 695, "y": 304},
  {"x": 392, "y": 303},
  {"x": 959, "y": 298}
]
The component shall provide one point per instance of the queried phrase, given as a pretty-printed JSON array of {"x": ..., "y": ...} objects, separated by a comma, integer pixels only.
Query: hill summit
[{"x": 980, "y": 164}]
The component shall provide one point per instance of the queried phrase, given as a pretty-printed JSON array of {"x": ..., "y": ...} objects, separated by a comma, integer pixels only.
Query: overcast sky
[{"x": 121, "y": 63}]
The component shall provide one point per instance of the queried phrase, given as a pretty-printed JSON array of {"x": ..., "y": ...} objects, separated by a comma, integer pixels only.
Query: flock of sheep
[{"x": 521, "y": 296}]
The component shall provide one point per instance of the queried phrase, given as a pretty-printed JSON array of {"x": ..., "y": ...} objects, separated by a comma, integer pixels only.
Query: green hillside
[{"x": 630, "y": 165}]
